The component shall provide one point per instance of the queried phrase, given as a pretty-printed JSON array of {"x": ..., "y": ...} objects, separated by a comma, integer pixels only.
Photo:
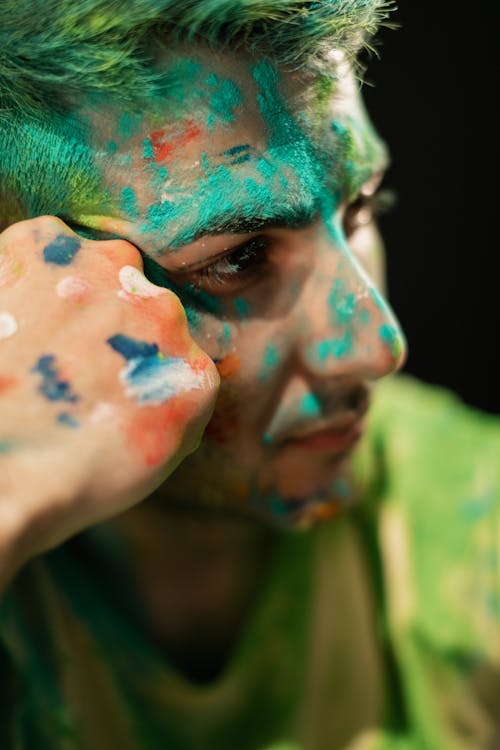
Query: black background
[{"x": 432, "y": 98}]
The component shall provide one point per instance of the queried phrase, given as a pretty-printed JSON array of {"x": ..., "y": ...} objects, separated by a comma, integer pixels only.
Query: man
[{"x": 223, "y": 149}]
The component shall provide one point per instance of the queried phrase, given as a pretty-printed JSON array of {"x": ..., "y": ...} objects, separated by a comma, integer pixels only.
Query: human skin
[
  {"x": 273, "y": 175},
  {"x": 90, "y": 351},
  {"x": 293, "y": 319}
]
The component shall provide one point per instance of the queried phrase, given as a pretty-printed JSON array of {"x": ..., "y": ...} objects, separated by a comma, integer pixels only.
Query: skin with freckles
[{"x": 251, "y": 197}]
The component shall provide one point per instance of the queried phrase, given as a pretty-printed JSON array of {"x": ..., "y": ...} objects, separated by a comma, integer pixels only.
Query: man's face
[{"x": 251, "y": 188}]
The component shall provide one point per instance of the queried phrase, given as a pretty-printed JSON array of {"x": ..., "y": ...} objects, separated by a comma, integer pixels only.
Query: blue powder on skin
[
  {"x": 150, "y": 376},
  {"x": 5, "y": 447},
  {"x": 62, "y": 250},
  {"x": 131, "y": 348},
  {"x": 52, "y": 386},
  {"x": 238, "y": 154},
  {"x": 68, "y": 420},
  {"x": 147, "y": 149}
]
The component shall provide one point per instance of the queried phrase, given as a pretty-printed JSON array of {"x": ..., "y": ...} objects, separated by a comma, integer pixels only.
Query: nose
[{"x": 345, "y": 327}]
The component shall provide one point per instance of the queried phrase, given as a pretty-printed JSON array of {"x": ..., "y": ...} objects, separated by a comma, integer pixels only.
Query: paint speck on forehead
[
  {"x": 238, "y": 154},
  {"x": 62, "y": 250},
  {"x": 224, "y": 101},
  {"x": 8, "y": 325},
  {"x": 53, "y": 387},
  {"x": 134, "y": 282},
  {"x": 128, "y": 203}
]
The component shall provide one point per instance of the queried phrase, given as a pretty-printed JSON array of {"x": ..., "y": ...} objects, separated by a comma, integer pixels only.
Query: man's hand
[{"x": 102, "y": 390}]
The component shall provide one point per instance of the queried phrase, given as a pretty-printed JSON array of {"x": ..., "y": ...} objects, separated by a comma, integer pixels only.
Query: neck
[{"x": 198, "y": 574}]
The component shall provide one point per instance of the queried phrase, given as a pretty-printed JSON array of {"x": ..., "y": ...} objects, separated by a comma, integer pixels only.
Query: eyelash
[
  {"x": 242, "y": 266},
  {"x": 247, "y": 263}
]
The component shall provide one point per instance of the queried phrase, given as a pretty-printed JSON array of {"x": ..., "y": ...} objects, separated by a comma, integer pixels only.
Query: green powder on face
[
  {"x": 342, "y": 305},
  {"x": 310, "y": 405},
  {"x": 392, "y": 338},
  {"x": 129, "y": 123},
  {"x": 224, "y": 337},
  {"x": 242, "y": 307},
  {"x": 225, "y": 99},
  {"x": 335, "y": 347},
  {"x": 270, "y": 362},
  {"x": 128, "y": 203}
]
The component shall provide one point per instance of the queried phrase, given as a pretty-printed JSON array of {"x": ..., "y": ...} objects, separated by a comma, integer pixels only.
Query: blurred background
[{"x": 431, "y": 95}]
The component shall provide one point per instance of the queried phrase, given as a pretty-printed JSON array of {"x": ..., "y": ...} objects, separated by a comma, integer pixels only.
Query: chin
[{"x": 300, "y": 511}]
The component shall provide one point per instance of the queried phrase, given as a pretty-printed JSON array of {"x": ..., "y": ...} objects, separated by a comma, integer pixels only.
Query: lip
[{"x": 330, "y": 440}]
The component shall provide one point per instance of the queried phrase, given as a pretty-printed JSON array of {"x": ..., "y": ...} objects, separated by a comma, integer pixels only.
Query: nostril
[{"x": 357, "y": 397}]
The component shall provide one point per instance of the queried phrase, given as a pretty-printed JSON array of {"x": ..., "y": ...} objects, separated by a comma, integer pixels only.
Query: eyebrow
[{"x": 230, "y": 222}]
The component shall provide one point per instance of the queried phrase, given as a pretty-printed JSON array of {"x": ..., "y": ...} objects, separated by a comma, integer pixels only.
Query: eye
[
  {"x": 366, "y": 207},
  {"x": 231, "y": 272}
]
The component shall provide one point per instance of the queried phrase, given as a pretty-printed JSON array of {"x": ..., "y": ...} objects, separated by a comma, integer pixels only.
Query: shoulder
[{"x": 438, "y": 526}]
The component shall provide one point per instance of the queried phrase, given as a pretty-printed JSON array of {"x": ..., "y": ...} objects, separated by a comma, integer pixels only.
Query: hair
[{"x": 54, "y": 53}]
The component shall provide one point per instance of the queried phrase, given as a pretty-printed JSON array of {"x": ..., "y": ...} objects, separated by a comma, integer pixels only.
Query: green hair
[{"x": 54, "y": 53}]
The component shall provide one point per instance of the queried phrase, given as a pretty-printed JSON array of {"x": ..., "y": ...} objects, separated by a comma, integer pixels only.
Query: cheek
[{"x": 246, "y": 361}]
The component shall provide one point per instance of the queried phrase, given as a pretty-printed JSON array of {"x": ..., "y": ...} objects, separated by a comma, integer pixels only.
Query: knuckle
[
  {"x": 32, "y": 230},
  {"x": 119, "y": 252}
]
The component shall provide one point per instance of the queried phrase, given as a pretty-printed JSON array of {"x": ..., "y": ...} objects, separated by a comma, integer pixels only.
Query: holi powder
[
  {"x": 336, "y": 347},
  {"x": 68, "y": 420},
  {"x": 151, "y": 377},
  {"x": 228, "y": 365},
  {"x": 270, "y": 362},
  {"x": 162, "y": 144},
  {"x": 134, "y": 282},
  {"x": 62, "y": 250},
  {"x": 8, "y": 325},
  {"x": 72, "y": 288},
  {"x": 53, "y": 387}
]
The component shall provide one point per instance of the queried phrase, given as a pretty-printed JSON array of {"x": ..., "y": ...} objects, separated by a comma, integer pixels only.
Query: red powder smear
[
  {"x": 155, "y": 430},
  {"x": 166, "y": 142},
  {"x": 6, "y": 383},
  {"x": 228, "y": 366}
]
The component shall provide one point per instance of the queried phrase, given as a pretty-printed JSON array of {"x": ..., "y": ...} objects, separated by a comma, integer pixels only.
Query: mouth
[{"x": 333, "y": 440}]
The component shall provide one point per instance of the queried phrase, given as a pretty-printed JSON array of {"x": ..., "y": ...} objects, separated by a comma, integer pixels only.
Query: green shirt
[{"x": 379, "y": 630}]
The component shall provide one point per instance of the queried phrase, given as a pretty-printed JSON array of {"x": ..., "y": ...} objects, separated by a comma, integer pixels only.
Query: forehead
[{"x": 232, "y": 134}]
